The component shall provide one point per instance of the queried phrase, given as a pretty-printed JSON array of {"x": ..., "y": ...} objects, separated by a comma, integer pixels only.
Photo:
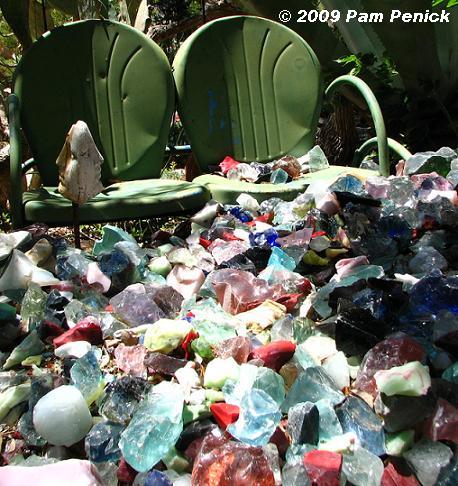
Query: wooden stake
[
  {"x": 204, "y": 13},
  {"x": 43, "y": 10},
  {"x": 76, "y": 224}
]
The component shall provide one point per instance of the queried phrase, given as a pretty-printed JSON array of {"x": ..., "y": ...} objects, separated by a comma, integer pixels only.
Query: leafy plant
[{"x": 449, "y": 3}]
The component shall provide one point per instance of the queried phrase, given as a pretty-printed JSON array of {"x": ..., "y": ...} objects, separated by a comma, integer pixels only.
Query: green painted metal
[
  {"x": 112, "y": 77},
  {"x": 251, "y": 88},
  {"x": 226, "y": 192},
  {"x": 15, "y": 196},
  {"x": 116, "y": 80},
  {"x": 327, "y": 46},
  {"x": 375, "y": 111},
  {"x": 247, "y": 87},
  {"x": 146, "y": 198},
  {"x": 370, "y": 144}
]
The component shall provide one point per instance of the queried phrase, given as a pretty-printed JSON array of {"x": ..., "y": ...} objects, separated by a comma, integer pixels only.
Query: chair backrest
[
  {"x": 112, "y": 77},
  {"x": 247, "y": 87}
]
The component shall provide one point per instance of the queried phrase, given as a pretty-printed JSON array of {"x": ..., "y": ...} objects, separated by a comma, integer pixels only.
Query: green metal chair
[
  {"x": 252, "y": 89},
  {"x": 119, "y": 82}
]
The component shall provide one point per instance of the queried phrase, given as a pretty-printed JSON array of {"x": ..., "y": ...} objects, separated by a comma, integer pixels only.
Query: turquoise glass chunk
[
  {"x": 259, "y": 417},
  {"x": 155, "y": 427}
]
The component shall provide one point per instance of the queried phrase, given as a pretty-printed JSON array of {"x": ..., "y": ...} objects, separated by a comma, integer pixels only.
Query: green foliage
[
  {"x": 166, "y": 11},
  {"x": 10, "y": 52},
  {"x": 449, "y": 3},
  {"x": 364, "y": 64}
]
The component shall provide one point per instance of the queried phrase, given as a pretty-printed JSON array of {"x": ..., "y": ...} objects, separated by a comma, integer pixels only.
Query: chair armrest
[
  {"x": 178, "y": 149},
  {"x": 15, "y": 162},
  {"x": 375, "y": 111},
  {"x": 28, "y": 164},
  {"x": 368, "y": 145}
]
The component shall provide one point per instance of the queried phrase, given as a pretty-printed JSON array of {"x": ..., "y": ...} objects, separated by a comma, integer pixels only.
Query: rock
[
  {"x": 426, "y": 459},
  {"x": 186, "y": 281},
  {"x": 40, "y": 253},
  {"x": 75, "y": 349},
  {"x": 10, "y": 335},
  {"x": 303, "y": 423},
  {"x": 160, "y": 265},
  {"x": 20, "y": 271},
  {"x": 121, "y": 398},
  {"x": 449, "y": 474},
  {"x": 223, "y": 462},
  {"x": 95, "y": 276},
  {"x": 336, "y": 367},
  {"x": 130, "y": 359},
  {"x": 87, "y": 377},
  {"x": 426, "y": 260},
  {"x": 323, "y": 467},
  {"x": 86, "y": 330},
  {"x": 279, "y": 176},
  {"x": 30, "y": 346},
  {"x": 391, "y": 352},
  {"x": 329, "y": 425},
  {"x": 312, "y": 385},
  {"x": 9, "y": 241},
  {"x": 362, "y": 468},
  {"x": 258, "y": 419},
  {"x": 165, "y": 335},
  {"x": 274, "y": 355},
  {"x": 155, "y": 427},
  {"x": 51, "y": 416},
  {"x": 139, "y": 304},
  {"x": 79, "y": 164},
  {"x": 101, "y": 444},
  {"x": 398, "y": 443},
  {"x": 346, "y": 266},
  {"x": 195, "y": 431},
  {"x": 392, "y": 477},
  {"x": 237, "y": 348},
  {"x": 72, "y": 472},
  {"x": 443, "y": 423},
  {"x": 317, "y": 159},
  {"x": 294, "y": 475},
  {"x": 110, "y": 236},
  {"x": 357, "y": 417},
  {"x": 13, "y": 396},
  {"x": 219, "y": 370},
  {"x": 163, "y": 364},
  {"x": 401, "y": 412},
  {"x": 225, "y": 414},
  {"x": 40, "y": 386},
  {"x": 426, "y": 162},
  {"x": 251, "y": 377},
  {"x": 236, "y": 290},
  {"x": 411, "y": 379},
  {"x": 262, "y": 316},
  {"x": 320, "y": 347}
]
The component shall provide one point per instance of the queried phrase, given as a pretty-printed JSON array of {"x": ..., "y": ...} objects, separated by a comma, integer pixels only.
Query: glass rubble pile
[{"x": 303, "y": 342}]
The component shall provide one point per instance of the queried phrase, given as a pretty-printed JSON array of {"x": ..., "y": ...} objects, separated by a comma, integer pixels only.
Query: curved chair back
[
  {"x": 112, "y": 77},
  {"x": 247, "y": 87}
]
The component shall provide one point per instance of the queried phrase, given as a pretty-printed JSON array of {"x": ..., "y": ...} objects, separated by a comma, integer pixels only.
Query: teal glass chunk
[
  {"x": 155, "y": 427},
  {"x": 279, "y": 258},
  {"x": 110, "y": 236},
  {"x": 329, "y": 426},
  {"x": 362, "y": 468},
  {"x": 279, "y": 176},
  {"x": 253, "y": 377},
  {"x": 87, "y": 377},
  {"x": 259, "y": 417},
  {"x": 312, "y": 385}
]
